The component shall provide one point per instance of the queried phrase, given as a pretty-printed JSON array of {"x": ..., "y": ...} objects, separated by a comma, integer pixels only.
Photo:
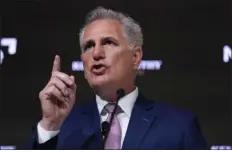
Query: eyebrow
[
  {"x": 91, "y": 41},
  {"x": 110, "y": 38}
]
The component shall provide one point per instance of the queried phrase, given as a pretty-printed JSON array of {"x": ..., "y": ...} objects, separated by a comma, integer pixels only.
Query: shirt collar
[{"x": 126, "y": 103}]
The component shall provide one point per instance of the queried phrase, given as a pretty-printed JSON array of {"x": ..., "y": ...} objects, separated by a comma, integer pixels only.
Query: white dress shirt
[{"x": 126, "y": 103}]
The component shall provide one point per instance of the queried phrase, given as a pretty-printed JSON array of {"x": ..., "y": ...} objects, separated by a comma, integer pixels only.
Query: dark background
[{"x": 188, "y": 36}]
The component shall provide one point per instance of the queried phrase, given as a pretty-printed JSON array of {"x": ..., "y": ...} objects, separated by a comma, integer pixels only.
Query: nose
[{"x": 98, "y": 53}]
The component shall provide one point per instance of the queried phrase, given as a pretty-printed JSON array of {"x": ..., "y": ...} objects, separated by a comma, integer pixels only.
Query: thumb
[{"x": 56, "y": 63}]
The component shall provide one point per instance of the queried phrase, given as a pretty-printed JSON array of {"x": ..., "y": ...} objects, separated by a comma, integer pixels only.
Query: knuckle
[
  {"x": 52, "y": 89},
  {"x": 72, "y": 83},
  {"x": 61, "y": 75},
  {"x": 53, "y": 80},
  {"x": 64, "y": 88},
  {"x": 66, "y": 77}
]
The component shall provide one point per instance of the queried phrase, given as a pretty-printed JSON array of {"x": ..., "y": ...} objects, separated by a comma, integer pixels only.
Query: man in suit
[{"x": 111, "y": 44}]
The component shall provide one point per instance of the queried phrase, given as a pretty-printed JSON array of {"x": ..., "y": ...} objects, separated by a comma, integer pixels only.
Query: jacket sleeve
[
  {"x": 33, "y": 143},
  {"x": 194, "y": 139}
]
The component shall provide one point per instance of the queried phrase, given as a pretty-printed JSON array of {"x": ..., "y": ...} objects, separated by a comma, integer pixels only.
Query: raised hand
[{"x": 57, "y": 98}]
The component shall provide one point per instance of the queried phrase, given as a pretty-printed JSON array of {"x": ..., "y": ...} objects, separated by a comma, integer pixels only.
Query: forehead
[{"x": 103, "y": 28}]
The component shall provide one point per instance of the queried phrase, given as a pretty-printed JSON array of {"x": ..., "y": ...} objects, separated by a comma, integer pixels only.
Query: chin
[
  {"x": 96, "y": 83},
  {"x": 99, "y": 83}
]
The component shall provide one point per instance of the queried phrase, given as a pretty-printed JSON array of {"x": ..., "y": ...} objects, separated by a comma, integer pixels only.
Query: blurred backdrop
[{"x": 187, "y": 58}]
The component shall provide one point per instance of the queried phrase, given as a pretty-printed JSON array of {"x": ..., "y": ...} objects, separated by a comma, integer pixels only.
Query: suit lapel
[
  {"x": 142, "y": 118},
  {"x": 85, "y": 132},
  {"x": 92, "y": 129}
]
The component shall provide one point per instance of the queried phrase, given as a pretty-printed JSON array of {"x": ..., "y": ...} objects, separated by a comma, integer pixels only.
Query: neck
[{"x": 110, "y": 95}]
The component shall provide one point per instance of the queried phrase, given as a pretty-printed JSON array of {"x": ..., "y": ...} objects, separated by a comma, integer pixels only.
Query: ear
[{"x": 137, "y": 57}]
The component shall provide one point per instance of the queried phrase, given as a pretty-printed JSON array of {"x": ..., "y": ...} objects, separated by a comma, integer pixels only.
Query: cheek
[
  {"x": 122, "y": 63},
  {"x": 114, "y": 59},
  {"x": 86, "y": 63}
]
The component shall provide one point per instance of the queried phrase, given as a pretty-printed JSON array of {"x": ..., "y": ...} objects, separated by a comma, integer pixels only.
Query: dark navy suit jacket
[{"x": 152, "y": 126}]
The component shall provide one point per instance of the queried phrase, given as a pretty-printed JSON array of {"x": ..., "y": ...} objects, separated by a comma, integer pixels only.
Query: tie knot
[{"x": 110, "y": 108}]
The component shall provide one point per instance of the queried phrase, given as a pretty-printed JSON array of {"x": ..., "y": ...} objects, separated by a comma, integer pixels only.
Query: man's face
[{"x": 108, "y": 61}]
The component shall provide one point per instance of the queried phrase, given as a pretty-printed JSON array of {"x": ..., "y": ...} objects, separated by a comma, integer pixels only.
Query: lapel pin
[{"x": 145, "y": 119}]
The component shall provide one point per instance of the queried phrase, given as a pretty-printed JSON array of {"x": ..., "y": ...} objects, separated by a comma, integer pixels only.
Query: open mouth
[
  {"x": 98, "y": 69},
  {"x": 99, "y": 66}
]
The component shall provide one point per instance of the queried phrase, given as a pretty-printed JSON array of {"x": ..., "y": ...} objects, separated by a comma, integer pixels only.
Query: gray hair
[{"x": 132, "y": 30}]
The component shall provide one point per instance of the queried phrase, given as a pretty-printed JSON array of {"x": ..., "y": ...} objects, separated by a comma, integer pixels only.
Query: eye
[
  {"x": 88, "y": 45},
  {"x": 108, "y": 41}
]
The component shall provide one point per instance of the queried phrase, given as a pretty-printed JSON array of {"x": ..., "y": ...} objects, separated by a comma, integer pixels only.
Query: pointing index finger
[{"x": 56, "y": 64}]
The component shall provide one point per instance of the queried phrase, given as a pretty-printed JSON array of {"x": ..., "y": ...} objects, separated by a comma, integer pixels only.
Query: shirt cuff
[{"x": 44, "y": 135}]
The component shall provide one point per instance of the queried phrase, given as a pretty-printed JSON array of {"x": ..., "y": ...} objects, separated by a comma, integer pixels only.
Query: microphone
[
  {"x": 106, "y": 125},
  {"x": 120, "y": 94}
]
